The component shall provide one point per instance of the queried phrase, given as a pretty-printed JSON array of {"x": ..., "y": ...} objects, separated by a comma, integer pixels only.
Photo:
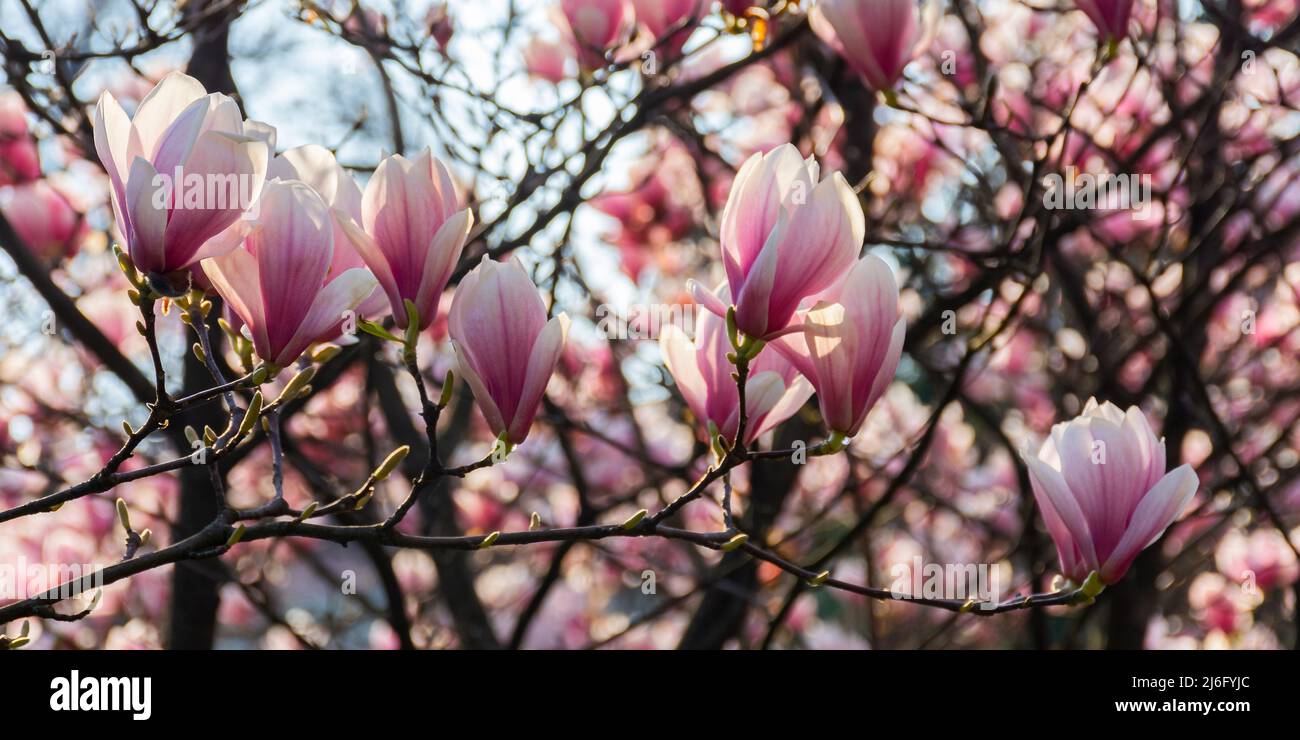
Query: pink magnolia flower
[
  {"x": 850, "y": 344},
  {"x": 277, "y": 281},
  {"x": 44, "y": 220},
  {"x": 670, "y": 22},
  {"x": 547, "y": 59},
  {"x": 773, "y": 392},
  {"x": 415, "y": 229},
  {"x": 178, "y": 129},
  {"x": 505, "y": 347},
  {"x": 876, "y": 37},
  {"x": 785, "y": 237},
  {"x": 19, "y": 161},
  {"x": 316, "y": 166},
  {"x": 595, "y": 27},
  {"x": 1109, "y": 16},
  {"x": 1100, "y": 482}
]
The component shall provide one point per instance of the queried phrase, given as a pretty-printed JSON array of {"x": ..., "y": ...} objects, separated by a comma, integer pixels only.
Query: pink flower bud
[
  {"x": 547, "y": 59},
  {"x": 415, "y": 229},
  {"x": 505, "y": 347},
  {"x": 669, "y": 22},
  {"x": 440, "y": 25},
  {"x": 19, "y": 161},
  {"x": 316, "y": 166}
]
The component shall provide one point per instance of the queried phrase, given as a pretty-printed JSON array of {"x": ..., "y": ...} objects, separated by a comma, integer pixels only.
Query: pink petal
[
  {"x": 323, "y": 321},
  {"x": 1060, "y": 496},
  {"x": 888, "y": 368},
  {"x": 440, "y": 260},
  {"x": 293, "y": 247},
  {"x": 708, "y": 299},
  {"x": 1158, "y": 509},
  {"x": 794, "y": 395},
  {"x": 763, "y": 391},
  {"x": 753, "y": 207},
  {"x": 146, "y": 221},
  {"x": 541, "y": 364},
  {"x": 316, "y": 166},
  {"x": 817, "y": 249},
  {"x": 496, "y": 316},
  {"x": 161, "y": 107},
  {"x": 236, "y": 167},
  {"x": 1087, "y": 481},
  {"x": 1124, "y": 479},
  {"x": 179, "y": 137},
  {"x": 113, "y": 134},
  {"x": 376, "y": 261},
  {"x": 1072, "y": 563},
  {"x": 793, "y": 348},
  {"x": 482, "y": 396},
  {"x": 754, "y": 302},
  {"x": 235, "y": 278},
  {"x": 679, "y": 357}
]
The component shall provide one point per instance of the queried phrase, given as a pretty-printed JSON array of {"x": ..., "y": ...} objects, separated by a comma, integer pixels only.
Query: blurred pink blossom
[
  {"x": 44, "y": 220},
  {"x": 19, "y": 161}
]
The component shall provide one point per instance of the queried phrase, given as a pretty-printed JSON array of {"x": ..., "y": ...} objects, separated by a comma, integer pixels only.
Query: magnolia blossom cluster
[
  {"x": 790, "y": 243},
  {"x": 308, "y": 252}
]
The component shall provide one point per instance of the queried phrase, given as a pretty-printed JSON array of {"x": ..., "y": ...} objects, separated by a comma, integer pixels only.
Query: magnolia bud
[
  {"x": 391, "y": 462},
  {"x": 307, "y": 512},
  {"x": 633, "y": 520},
  {"x": 447, "y": 384},
  {"x": 123, "y": 515},
  {"x": 295, "y": 386},
  {"x": 735, "y": 542},
  {"x": 251, "y": 416},
  {"x": 325, "y": 353}
]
